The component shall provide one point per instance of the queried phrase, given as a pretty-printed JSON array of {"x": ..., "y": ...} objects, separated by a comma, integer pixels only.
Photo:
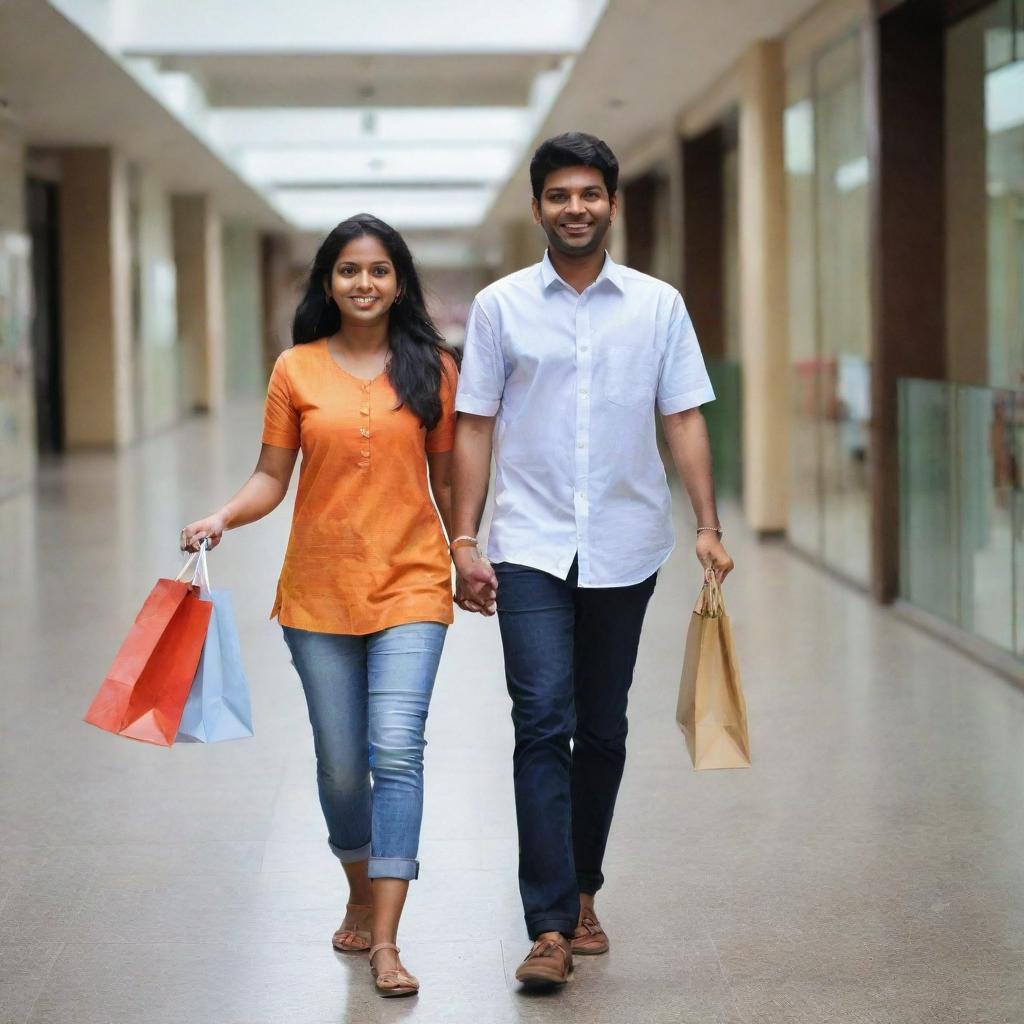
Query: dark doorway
[{"x": 43, "y": 219}]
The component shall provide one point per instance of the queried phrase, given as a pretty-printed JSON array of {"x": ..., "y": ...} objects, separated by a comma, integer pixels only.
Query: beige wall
[
  {"x": 98, "y": 362},
  {"x": 200, "y": 301},
  {"x": 763, "y": 316},
  {"x": 17, "y": 408},
  {"x": 244, "y": 329},
  {"x": 158, "y": 352}
]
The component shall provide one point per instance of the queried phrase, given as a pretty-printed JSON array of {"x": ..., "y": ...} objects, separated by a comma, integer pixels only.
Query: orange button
[
  {"x": 364, "y": 432},
  {"x": 365, "y": 410},
  {"x": 363, "y": 464},
  {"x": 365, "y": 454}
]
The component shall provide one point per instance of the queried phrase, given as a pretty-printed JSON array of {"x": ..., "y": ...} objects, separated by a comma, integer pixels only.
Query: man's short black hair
[{"x": 573, "y": 149}]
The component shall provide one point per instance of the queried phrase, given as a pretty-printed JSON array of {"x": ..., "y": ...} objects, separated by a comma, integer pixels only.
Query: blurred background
[{"x": 836, "y": 186}]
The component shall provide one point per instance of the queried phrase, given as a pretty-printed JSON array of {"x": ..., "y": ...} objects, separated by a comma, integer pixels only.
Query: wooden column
[
  {"x": 638, "y": 196},
  {"x": 703, "y": 249},
  {"x": 905, "y": 82}
]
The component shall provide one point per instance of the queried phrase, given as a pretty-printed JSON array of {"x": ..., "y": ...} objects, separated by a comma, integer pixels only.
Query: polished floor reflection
[{"x": 868, "y": 869}]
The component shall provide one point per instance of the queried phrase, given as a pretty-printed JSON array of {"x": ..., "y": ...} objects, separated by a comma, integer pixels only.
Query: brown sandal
[
  {"x": 352, "y": 940},
  {"x": 396, "y": 982}
]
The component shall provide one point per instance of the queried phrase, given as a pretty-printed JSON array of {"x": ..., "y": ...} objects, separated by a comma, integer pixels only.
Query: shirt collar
[{"x": 610, "y": 272}]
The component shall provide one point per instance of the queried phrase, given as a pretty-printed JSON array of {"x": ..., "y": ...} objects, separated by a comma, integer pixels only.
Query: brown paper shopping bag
[{"x": 711, "y": 711}]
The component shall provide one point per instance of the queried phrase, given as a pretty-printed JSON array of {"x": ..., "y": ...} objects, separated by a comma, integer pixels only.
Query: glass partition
[
  {"x": 962, "y": 543},
  {"x": 724, "y": 418},
  {"x": 827, "y": 175},
  {"x": 928, "y": 537},
  {"x": 984, "y": 90}
]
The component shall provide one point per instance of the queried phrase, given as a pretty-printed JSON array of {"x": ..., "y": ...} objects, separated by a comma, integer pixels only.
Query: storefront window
[
  {"x": 827, "y": 178},
  {"x": 985, "y": 313}
]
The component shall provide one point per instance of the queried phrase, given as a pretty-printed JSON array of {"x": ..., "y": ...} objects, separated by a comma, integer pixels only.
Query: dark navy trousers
[{"x": 569, "y": 659}]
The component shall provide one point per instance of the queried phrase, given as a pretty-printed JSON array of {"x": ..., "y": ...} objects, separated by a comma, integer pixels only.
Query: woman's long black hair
[{"x": 416, "y": 344}]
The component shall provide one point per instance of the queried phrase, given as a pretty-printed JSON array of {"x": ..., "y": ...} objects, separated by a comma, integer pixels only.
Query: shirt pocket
[{"x": 630, "y": 371}]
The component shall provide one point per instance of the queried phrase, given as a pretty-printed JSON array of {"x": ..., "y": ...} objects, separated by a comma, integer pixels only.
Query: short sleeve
[
  {"x": 442, "y": 437},
  {"x": 280, "y": 417},
  {"x": 683, "y": 383},
  {"x": 483, "y": 370}
]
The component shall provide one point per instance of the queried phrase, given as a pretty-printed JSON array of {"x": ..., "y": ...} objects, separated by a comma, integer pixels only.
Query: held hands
[
  {"x": 209, "y": 529},
  {"x": 476, "y": 583},
  {"x": 712, "y": 555}
]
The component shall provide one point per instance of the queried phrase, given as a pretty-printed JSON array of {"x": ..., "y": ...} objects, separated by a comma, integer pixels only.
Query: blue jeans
[
  {"x": 368, "y": 698},
  {"x": 569, "y": 659}
]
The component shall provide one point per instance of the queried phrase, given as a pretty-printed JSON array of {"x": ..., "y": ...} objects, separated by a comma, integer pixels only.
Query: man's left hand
[{"x": 712, "y": 555}]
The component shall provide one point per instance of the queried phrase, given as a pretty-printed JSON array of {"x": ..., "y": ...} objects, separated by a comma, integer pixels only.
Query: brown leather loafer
[
  {"x": 548, "y": 963},
  {"x": 589, "y": 938}
]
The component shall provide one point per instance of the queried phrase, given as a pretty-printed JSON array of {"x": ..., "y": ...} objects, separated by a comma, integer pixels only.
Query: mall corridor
[{"x": 866, "y": 870}]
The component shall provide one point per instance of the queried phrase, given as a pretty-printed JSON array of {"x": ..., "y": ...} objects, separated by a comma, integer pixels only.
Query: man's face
[{"x": 575, "y": 210}]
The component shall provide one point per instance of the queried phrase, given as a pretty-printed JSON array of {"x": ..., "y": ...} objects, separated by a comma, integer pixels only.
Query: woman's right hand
[{"x": 210, "y": 529}]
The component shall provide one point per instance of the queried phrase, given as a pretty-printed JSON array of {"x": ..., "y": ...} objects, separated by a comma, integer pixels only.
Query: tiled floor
[{"x": 870, "y": 868}]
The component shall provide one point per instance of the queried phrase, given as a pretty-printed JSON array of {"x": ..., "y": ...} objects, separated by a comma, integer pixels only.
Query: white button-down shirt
[{"x": 574, "y": 380}]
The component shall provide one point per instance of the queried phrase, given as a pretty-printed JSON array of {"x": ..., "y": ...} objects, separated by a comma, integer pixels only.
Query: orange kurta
[{"x": 366, "y": 550}]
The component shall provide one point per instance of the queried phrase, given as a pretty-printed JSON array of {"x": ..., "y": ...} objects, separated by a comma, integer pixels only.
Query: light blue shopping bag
[{"x": 218, "y": 706}]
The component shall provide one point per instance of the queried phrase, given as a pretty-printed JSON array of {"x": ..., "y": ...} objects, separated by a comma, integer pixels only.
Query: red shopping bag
[{"x": 145, "y": 690}]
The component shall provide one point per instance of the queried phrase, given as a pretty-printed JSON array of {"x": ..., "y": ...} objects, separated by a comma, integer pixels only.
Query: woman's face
[{"x": 363, "y": 281}]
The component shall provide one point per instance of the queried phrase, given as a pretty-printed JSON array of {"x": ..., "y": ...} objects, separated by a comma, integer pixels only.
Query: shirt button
[
  {"x": 365, "y": 454},
  {"x": 366, "y": 387},
  {"x": 363, "y": 464},
  {"x": 365, "y": 410},
  {"x": 584, "y": 393},
  {"x": 364, "y": 432},
  {"x": 581, "y": 444},
  {"x": 583, "y": 348}
]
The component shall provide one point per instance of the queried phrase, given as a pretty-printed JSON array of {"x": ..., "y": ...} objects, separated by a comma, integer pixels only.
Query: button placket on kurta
[{"x": 364, "y": 430}]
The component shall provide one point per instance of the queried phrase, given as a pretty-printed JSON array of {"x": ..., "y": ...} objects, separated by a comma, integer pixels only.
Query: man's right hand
[{"x": 476, "y": 584}]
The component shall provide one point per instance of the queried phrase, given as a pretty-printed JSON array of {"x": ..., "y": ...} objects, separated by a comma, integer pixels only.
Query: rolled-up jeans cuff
[
  {"x": 350, "y": 856},
  {"x": 393, "y": 867},
  {"x": 539, "y": 925}
]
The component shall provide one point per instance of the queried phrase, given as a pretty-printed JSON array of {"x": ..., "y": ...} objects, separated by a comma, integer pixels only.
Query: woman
[{"x": 367, "y": 394}]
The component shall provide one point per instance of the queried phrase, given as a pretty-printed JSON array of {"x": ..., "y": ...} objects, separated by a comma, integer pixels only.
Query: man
[{"x": 563, "y": 367}]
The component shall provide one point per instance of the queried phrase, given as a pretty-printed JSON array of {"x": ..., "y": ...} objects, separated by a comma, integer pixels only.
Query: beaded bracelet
[{"x": 710, "y": 529}]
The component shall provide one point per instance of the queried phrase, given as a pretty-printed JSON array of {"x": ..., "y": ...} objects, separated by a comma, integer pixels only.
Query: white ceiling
[
  {"x": 646, "y": 61},
  {"x": 62, "y": 89},
  {"x": 416, "y": 111},
  {"x": 425, "y": 113}
]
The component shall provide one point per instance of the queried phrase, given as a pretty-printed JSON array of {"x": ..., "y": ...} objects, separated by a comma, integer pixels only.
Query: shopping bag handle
[
  {"x": 711, "y": 597},
  {"x": 196, "y": 565}
]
